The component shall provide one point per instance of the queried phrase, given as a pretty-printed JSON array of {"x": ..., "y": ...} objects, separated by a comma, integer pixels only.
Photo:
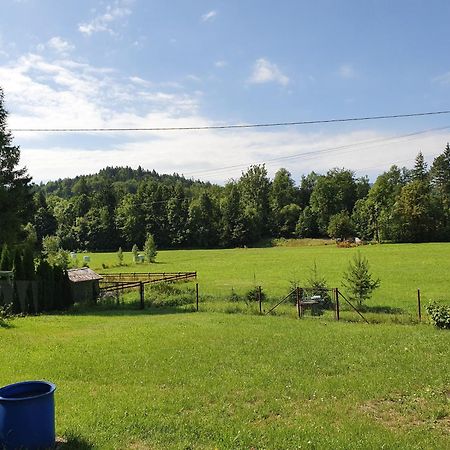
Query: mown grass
[
  {"x": 129, "y": 379},
  {"x": 402, "y": 268}
]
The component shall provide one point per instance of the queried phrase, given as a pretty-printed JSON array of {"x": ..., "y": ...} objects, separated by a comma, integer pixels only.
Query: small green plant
[
  {"x": 150, "y": 248},
  {"x": 253, "y": 295},
  {"x": 234, "y": 296},
  {"x": 358, "y": 279},
  {"x": 5, "y": 314},
  {"x": 135, "y": 251},
  {"x": 120, "y": 256},
  {"x": 440, "y": 315}
]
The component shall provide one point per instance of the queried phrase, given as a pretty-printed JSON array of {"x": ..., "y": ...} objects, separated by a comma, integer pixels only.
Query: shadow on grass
[
  {"x": 381, "y": 309},
  {"x": 127, "y": 309},
  {"x": 5, "y": 324},
  {"x": 74, "y": 442}
]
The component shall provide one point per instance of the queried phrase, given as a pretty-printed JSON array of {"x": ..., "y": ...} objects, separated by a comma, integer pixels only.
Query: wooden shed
[{"x": 84, "y": 284}]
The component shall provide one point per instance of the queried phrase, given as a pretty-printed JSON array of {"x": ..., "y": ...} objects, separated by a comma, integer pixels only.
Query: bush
[
  {"x": 150, "y": 248},
  {"x": 440, "y": 315},
  {"x": 5, "y": 314},
  {"x": 252, "y": 295},
  {"x": 234, "y": 296}
]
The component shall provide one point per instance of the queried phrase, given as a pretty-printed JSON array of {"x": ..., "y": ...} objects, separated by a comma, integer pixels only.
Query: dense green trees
[{"x": 121, "y": 206}]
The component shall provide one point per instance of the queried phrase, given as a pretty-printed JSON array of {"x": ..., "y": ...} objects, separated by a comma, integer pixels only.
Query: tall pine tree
[{"x": 15, "y": 194}]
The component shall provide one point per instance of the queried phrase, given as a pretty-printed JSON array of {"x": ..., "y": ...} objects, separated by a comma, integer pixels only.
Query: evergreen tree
[
  {"x": 358, "y": 279},
  {"x": 420, "y": 171},
  {"x": 15, "y": 194}
]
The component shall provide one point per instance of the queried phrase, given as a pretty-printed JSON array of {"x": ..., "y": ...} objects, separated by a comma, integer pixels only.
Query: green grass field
[
  {"x": 402, "y": 268},
  {"x": 165, "y": 378},
  {"x": 139, "y": 380}
]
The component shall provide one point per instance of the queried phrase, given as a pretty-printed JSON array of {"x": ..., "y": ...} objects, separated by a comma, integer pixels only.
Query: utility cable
[{"x": 227, "y": 127}]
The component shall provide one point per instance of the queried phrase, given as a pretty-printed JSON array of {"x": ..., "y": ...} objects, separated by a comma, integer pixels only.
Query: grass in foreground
[{"x": 199, "y": 380}]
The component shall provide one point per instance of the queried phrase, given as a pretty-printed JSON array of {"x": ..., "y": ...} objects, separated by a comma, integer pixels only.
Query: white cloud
[
  {"x": 265, "y": 72},
  {"x": 347, "y": 71},
  {"x": 221, "y": 63},
  {"x": 44, "y": 93},
  {"x": 209, "y": 16},
  {"x": 59, "y": 45},
  {"x": 442, "y": 79},
  {"x": 140, "y": 81},
  {"x": 104, "y": 22}
]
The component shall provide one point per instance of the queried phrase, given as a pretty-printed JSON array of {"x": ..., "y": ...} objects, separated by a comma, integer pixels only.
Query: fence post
[
  {"x": 297, "y": 298},
  {"x": 336, "y": 295},
  {"x": 196, "y": 294},
  {"x": 419, "y": 309},
  {"x": 141, "y": 293},
  {"x": 259, "y": 299}
]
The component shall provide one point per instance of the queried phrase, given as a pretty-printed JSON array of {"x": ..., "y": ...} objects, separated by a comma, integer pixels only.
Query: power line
[
  {"x": 227, "y": 127},
  {"x": 312, "y": 153}
]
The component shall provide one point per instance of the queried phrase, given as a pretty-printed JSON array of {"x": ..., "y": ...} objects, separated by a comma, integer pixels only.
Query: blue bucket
[{"x": 27, "y": 415}]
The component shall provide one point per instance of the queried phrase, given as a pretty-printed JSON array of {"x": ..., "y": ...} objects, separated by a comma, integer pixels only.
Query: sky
[{"x": 154, "y": 63}]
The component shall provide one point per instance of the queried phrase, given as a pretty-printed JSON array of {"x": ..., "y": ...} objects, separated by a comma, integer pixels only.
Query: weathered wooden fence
[{"x": 120, "y": 282}]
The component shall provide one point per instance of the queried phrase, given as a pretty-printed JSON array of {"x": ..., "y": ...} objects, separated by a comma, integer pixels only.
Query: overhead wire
[
  {"x": 312, "y": 153},
  {"x": 407, "y": 137},
  {"x": 232, "y": 126}
]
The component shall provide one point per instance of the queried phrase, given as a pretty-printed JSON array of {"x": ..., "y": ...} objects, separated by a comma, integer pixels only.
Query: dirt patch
[{"x": 408, "y": 412}]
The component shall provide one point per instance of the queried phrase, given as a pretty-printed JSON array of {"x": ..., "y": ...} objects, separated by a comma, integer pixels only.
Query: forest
[{"x": 119, "y": 206}]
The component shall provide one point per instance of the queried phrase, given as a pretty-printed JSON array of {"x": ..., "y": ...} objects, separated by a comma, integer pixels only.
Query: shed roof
[{"x": 83, "y": 274}]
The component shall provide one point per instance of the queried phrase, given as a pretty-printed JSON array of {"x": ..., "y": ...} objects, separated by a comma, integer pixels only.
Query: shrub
[
  {"x": 252, "y": 295},
  {"x": 150, "y": 248},
  {"x": 440, "y": 315},
  {"x": 5, "y": 314},
  {"x": 120, "y": 256},
  {"x": 135, "y": 251},
  {"x": 234, "y": 296}
]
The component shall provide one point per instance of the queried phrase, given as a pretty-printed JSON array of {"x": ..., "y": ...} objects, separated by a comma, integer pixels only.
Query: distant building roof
[{"x": 83, "y": 274}]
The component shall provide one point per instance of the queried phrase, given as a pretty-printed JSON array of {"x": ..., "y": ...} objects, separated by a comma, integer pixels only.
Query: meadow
[
  {"x": 140, "y": 380},
  {"x": 402, "y": 269},
  {"x": 172, "y": 378}
]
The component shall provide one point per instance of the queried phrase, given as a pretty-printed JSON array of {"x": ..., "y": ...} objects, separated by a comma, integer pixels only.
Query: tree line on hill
[{"x": 121, "y": 206}]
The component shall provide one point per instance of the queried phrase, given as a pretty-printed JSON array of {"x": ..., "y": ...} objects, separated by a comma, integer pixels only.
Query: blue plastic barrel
[{"x": 27, "y": 415}]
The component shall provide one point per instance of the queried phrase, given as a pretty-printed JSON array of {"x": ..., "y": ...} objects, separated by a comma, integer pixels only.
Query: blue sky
[{"x": 144, "y": 63}]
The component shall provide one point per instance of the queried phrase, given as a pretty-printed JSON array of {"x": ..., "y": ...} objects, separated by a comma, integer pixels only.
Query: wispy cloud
[
  {"x": 104, "y": 22},
  {"x": 442, "y": 79},
  {"x": 347, "y": 71},
  {"x": 266, "y": 72},
  {"x": 58, "y": 45},
  {"x": 221, "y": 63},
  {"x": 209, "y": 16},
  {"x": 43, "y": 92}
]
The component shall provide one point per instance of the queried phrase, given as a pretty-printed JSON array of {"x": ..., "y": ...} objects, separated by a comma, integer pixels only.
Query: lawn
[
  {"x": 402, "y": 268},
  {"x": 131, "y": 379}
]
